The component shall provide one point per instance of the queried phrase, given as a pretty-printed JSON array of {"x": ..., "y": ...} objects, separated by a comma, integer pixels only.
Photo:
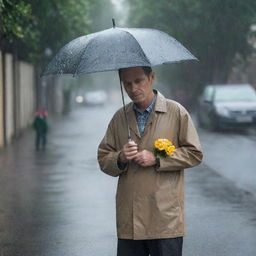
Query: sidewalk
[{"x": 57, "y": 202}]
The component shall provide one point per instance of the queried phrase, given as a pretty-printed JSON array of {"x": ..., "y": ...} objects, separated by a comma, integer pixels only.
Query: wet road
[{"x": 58, "y": 202}]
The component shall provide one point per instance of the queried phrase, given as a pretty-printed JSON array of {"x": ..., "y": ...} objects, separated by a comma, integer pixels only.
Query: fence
[{"x": 17, "y": 97}]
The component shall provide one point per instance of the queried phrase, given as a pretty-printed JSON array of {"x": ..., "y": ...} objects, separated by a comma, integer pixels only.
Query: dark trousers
[
  {"x": 154, "y": 247},
  {"x": 40, "y": 140}
]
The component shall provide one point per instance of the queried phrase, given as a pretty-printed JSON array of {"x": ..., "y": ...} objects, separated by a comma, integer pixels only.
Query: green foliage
[
  {"x": 57, "y": 23},
  {"x": 34, "y": 27},
  {"x": 14, "y": 18},
  {"x": 215, "y": 31}
]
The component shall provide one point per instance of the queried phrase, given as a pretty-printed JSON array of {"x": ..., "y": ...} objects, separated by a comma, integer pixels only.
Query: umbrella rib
[
  {"x": 80, "y": 57},
  {"x": 137, "y": 43}
]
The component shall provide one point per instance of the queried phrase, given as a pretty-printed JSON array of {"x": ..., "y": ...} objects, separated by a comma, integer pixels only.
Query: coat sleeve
[
  {"x": 108, "y": 153},
  {"x": 188, "y": 152}
]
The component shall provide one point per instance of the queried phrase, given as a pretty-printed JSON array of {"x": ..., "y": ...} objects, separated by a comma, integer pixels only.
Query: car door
[{"x": 206, "y": 105}]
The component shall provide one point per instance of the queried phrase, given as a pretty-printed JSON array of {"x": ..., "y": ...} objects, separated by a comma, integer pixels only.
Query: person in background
[{"x": 40, "y": 125}]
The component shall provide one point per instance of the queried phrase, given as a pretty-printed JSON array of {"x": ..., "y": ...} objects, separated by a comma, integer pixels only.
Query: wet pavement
[
  {"x": 232, "y": 154},
  {"x": 58, "y": 203}
]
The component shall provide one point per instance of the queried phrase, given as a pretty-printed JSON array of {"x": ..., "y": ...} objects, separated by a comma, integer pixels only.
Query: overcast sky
[{"x": 122, "y": 10}]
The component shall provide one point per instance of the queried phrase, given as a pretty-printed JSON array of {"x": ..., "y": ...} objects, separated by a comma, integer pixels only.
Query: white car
[
  {"x": 95, "y": 97},
  {"x": 227, "y": 106}
]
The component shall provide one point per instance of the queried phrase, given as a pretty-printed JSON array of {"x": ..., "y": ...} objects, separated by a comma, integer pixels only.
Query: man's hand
[
  {"x": 128, "y": 152},
  {"x": 145, "y": 158}
]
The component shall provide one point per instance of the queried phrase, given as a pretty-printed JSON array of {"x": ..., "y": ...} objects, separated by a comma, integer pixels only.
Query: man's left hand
[{"x": 145, "y": 158}]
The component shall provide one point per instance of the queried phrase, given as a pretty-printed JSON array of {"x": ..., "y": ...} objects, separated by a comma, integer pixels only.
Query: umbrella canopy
[{"x": 117, "y": 48}]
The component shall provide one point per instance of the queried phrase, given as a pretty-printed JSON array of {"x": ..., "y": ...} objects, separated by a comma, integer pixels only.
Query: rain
[{"x": 54, "y": 198}]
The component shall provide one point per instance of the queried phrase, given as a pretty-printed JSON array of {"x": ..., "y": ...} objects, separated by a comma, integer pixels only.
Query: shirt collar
[
  {"x": 160, "y": 104},
  {"x": 149, "y": 108}
]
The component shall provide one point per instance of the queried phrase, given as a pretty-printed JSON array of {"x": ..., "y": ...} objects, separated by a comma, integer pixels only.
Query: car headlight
[
  {"x": 222, "y": 111},
  {"x": 79, "y": 99}
]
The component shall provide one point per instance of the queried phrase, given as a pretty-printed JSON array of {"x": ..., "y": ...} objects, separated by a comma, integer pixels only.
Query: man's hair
[{"x": 147, "y": 71}]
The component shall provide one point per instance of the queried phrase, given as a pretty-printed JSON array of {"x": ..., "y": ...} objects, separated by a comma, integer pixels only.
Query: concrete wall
[
  {"x": 17, "y": 97},
  {"x": 1, "y": 103},
  {"x": 27, "y": 95},
  {"x": 9, "y": 98}
]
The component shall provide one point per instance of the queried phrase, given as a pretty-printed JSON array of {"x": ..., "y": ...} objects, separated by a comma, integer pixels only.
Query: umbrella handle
[
  {"x": 125, "y": 114},
  {"x": 129, "y": 136}
]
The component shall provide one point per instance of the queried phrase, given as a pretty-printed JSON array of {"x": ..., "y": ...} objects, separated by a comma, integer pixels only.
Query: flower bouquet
[{"x": 163, "y": 148}]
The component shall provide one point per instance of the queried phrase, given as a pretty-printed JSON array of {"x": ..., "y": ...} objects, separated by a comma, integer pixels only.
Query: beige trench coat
[{"x": 150, "y": 200}]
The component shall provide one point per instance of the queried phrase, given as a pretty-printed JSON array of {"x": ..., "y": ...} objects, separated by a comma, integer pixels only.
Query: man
[{"x": 150, "y": 192}]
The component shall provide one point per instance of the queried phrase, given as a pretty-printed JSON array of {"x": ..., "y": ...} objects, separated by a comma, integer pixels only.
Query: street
[{"x": 58, "y": 202}]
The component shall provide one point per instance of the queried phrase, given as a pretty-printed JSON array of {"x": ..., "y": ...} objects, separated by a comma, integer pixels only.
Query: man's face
[{"x": 137, "y": 84}]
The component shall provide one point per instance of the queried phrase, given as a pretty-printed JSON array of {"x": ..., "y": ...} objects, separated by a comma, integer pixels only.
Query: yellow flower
[
  {"x": 169, "y": 150},
  {"x": 165, "y": 146},
  {"x": 159, "y": 144}
]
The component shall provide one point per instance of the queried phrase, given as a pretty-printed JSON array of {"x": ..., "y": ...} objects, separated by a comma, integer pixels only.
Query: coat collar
[{"x": 160, "y": 102}]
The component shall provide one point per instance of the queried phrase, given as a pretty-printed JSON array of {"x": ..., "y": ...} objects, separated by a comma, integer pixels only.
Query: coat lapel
[{"x": 160, "y": 106}]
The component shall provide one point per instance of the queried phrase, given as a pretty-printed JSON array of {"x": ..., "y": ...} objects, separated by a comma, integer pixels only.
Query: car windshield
[{"x": 235, "y": 94}]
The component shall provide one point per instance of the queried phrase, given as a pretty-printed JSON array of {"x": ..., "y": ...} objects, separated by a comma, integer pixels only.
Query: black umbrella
[{"x": 117, "y": 48}]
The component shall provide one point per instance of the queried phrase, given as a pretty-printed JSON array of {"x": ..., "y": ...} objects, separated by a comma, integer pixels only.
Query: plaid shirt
[{"x": 142, "y": 117}]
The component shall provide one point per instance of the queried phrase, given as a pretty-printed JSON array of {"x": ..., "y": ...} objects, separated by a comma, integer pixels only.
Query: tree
[
  {"x": 38, "y": 28},
  {"x": 215, "y": 31},
  {"x": 14, "y": 14}
]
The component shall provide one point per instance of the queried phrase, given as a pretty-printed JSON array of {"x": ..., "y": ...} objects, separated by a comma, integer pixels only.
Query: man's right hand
[{"x": 128, "y": 152}]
